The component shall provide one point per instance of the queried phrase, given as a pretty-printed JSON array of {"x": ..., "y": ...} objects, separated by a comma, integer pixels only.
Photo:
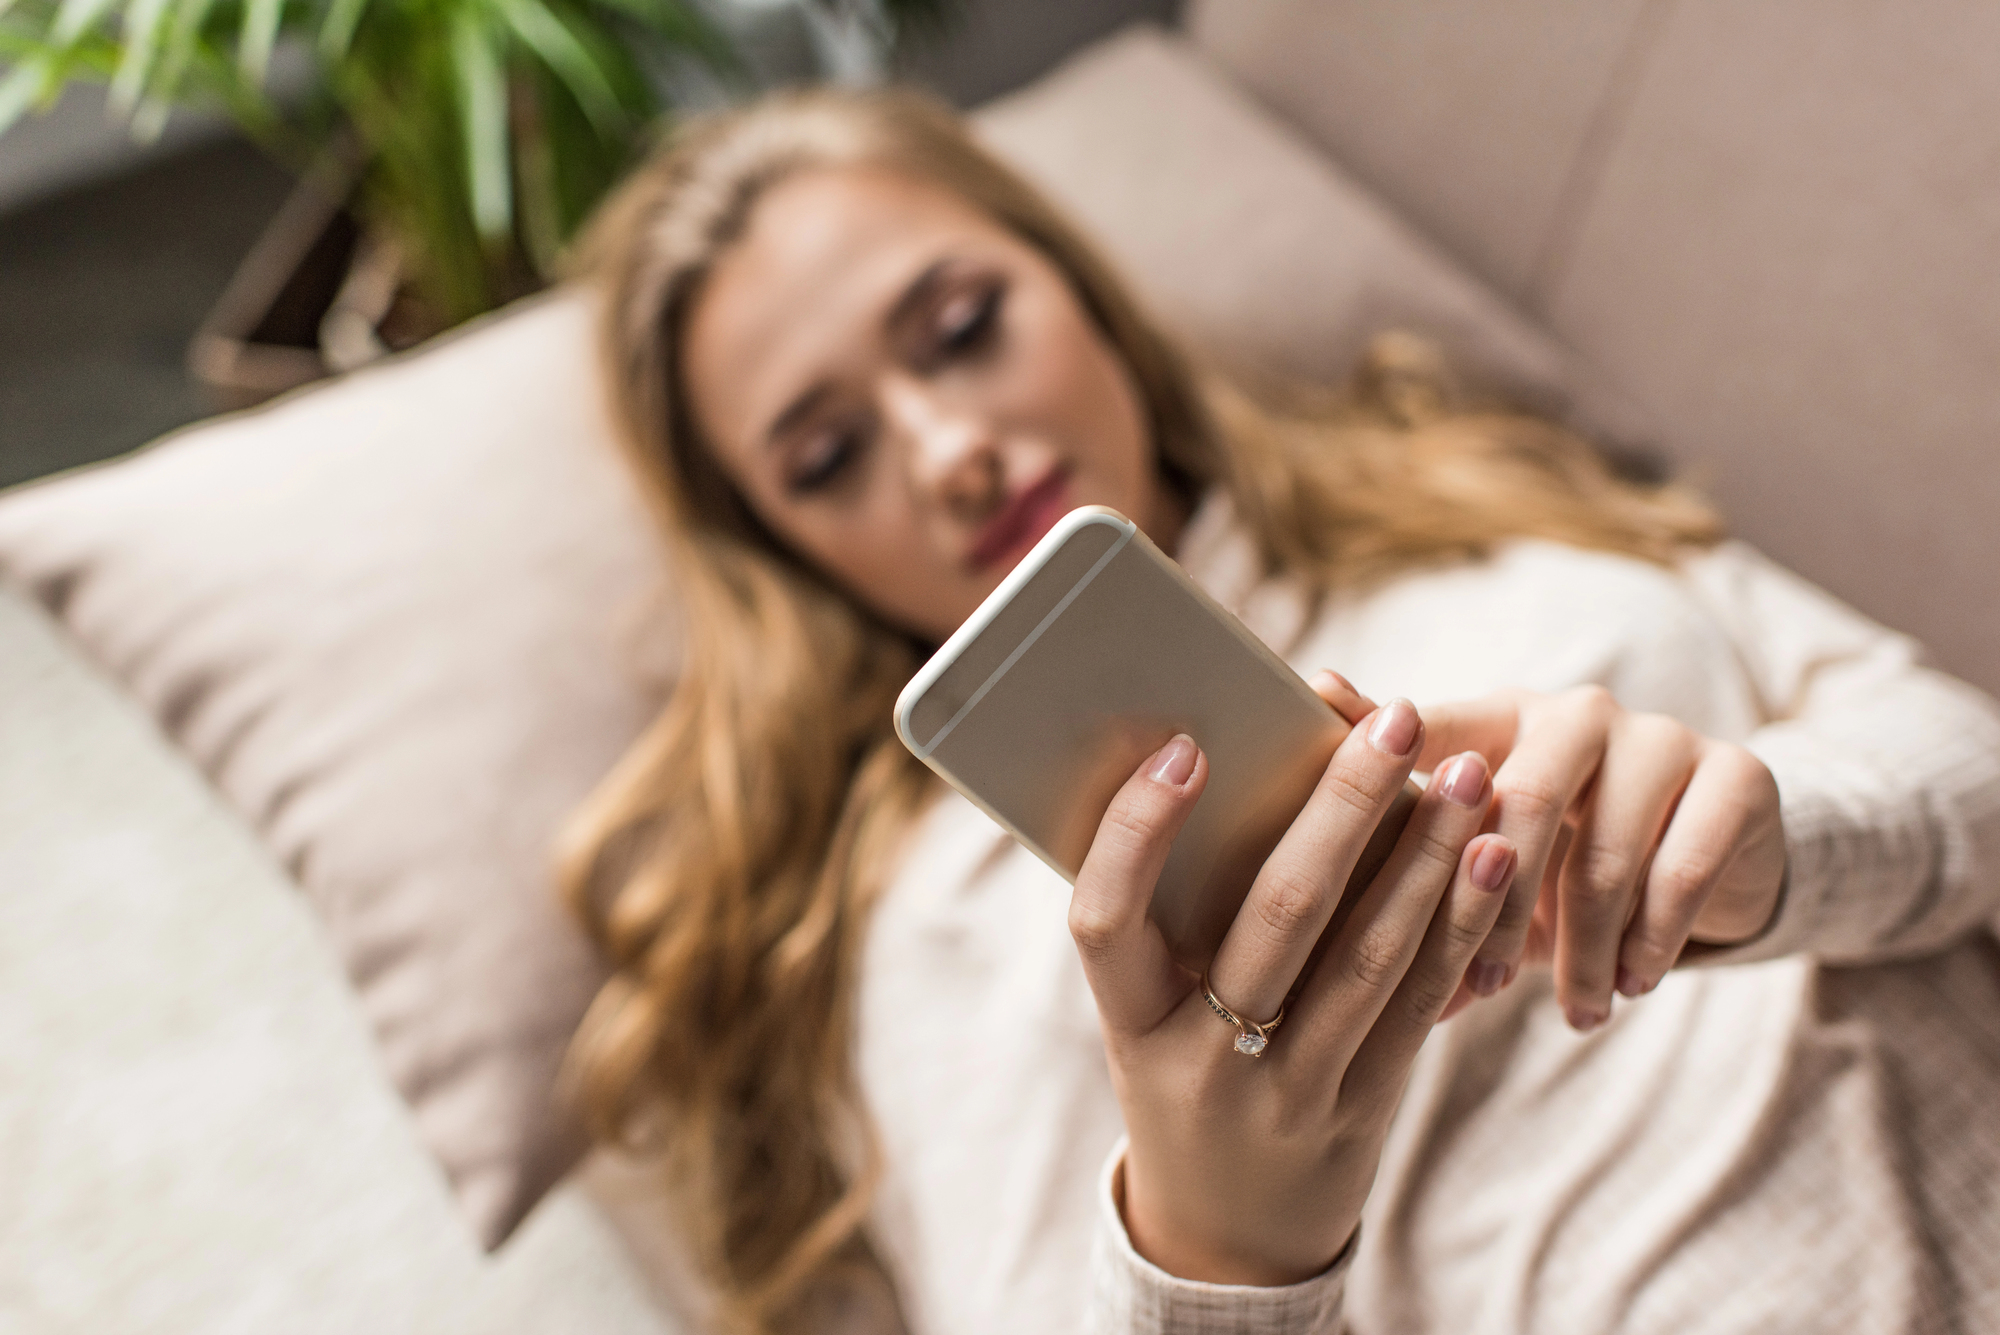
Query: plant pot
[{"x": 317, "y": 294}]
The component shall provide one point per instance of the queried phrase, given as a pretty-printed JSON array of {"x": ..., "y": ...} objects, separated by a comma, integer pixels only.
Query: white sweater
[{"x": 1767, "y": 1145}]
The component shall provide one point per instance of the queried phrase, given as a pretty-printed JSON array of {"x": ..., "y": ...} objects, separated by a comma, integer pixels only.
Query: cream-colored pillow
[
  {"x": 404, "y": 621},
  {"x": 395, "y": 621}
]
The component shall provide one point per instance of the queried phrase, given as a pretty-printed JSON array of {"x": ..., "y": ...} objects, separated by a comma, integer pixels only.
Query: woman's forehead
[{"x": 805, "y": 292}]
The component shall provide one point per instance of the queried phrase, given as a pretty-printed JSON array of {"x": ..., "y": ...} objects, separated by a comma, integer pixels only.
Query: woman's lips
[{"x": 1021, "y": 524}]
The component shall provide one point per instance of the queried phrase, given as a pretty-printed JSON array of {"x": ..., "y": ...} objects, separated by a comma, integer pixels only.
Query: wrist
[
  {"x": 1219, "y": 1255},
  {"x": 1129, "y": 1292}
]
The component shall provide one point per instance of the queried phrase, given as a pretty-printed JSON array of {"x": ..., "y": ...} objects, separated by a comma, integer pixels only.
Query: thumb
[{"x": 1133, "y": 976}]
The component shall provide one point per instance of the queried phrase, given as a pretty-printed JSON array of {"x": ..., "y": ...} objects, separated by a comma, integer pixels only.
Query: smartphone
[{"x": 1093, "y": 652}]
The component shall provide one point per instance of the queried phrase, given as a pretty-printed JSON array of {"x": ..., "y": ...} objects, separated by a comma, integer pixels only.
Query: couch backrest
[{"x": 1776, "y": 226}]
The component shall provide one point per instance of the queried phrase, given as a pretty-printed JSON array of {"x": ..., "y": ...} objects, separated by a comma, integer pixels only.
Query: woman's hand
[
  {"x": 1636, "y": 834},
  {"x": 1253, "y": 1169}
]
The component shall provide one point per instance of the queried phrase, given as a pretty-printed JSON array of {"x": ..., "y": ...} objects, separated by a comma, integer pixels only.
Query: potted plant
[{"x": 468, "y": 139}]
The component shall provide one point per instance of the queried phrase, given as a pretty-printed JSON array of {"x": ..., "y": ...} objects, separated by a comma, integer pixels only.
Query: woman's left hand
[{"x": 1636, "y": 835}]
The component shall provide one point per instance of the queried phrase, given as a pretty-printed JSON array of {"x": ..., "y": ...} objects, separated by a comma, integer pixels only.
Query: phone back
[{"x": 1093, "y": 653}]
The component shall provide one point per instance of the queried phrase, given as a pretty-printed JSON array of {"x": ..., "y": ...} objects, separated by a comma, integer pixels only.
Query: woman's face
[{"x": 908, "y": 395}]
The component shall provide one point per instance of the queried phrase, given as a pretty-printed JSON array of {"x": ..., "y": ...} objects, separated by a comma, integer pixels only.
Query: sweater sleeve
[
  {"x": 1888, "y": 773},
  {"x": 1132, "y": 1296}
]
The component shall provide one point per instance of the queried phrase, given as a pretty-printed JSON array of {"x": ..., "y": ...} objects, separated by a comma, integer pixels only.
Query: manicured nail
[
  {"x": 1175, "y": 761},
  {"x": 1631, "y": 984},
  {"x": 1485, "y": 977},
  {"x": 1493, "y": 864},
  {"x": 1394, "y": 731},
  {"x": 1582, "y": 1020},
  {"x": 1465, "y": 779}
]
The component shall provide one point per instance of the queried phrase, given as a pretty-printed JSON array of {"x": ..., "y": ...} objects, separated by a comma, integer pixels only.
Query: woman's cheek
[{"x": 1077, "y": 395}]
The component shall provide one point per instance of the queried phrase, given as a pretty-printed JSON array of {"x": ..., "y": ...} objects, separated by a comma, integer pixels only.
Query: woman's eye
[
  {"x": 823, "y": 462},
  {"x": 968, "y": 322}
]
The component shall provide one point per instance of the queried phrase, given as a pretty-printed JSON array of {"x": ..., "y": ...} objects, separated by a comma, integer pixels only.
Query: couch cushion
[
  {"x": 1793, "y": 259},
  {"x": 1470, "y": 116},
  {"x": 396, "y": 618},
  {"x": 1252, "y": 243}
]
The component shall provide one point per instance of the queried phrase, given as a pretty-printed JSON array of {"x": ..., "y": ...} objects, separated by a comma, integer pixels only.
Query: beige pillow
[{"x": 395, "y": 618}]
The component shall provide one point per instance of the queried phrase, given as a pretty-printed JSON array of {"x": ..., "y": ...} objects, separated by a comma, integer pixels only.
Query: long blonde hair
[{"x": 728, "y": 863}]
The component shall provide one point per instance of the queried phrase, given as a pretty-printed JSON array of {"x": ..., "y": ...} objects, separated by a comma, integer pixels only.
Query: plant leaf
[
  {"x": 92, "y": 57},
  {"x": 75, "y": 18},
  {"x": 215, "y": 74},
  {"x": 581, "y": 167},
  {"x": 189, "y": 15},
  {"x": 24, "y": 85},
  {"x": 482, "y": 106},
  {"x": 612, "y": 51},
  {"x": 336, "y": 34},
  {"x": 557, "y": 47},
  {"x": 143, "y": 28},
  {"x": 416, "y": 187},
  {"x": 151, "y": 116},
  {"x": 259, "y": 34}
]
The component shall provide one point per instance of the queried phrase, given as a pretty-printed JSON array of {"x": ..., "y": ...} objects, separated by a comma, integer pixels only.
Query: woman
[{"x": 862, "y": 368}]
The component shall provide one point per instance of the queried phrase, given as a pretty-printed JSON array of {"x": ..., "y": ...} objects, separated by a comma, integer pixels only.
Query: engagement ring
[{"x": 1251, "y": 1038}]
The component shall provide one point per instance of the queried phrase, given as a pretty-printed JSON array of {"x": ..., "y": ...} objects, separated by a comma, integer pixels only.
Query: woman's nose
[{"x": 953, "y": 449}]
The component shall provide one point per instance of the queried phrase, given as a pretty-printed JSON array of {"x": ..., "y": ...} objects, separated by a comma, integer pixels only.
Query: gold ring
[{"x": 1251, "y": 1038}]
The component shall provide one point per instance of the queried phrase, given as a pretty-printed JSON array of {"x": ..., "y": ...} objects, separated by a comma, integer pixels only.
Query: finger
[
  {"x": 1370, "y": 956},
  {"x": 1742, "y": 903},
  {"x": 1487, "y": 725},
  {"x": 1131, "y": 973},
  {"x": 1647, "y": 763},
  {"x": 1700, "y": 842},
  {"x": 1552, "y": 762},
  {"x": 1472, "y": 905},
  {"x": 1295, "y": 892},
  {"x": 1340, "y": 693},
  {"x": 1539, "y": 946}
]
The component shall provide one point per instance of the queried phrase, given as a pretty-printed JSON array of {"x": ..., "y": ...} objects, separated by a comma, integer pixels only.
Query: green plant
[{"x": 484, "y": 131}]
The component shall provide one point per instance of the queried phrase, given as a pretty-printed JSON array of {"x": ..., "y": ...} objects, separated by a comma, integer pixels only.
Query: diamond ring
[{"x": 1251, "y": 1038}]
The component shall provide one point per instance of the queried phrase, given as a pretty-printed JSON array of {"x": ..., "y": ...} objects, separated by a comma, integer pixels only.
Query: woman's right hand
[{"x": 1253, "y": 1170}]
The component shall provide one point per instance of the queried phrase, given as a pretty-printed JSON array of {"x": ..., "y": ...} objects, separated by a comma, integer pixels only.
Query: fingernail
[
  {"x": 1465, "y": 780},
  {"x": 1583, "y": 1020},
  {"x": 1175, "y": 761},
  {"x": 1631, "y": 984},
  {"x": 1492, "y": 864},
  {"x": 1394, "y": 731},
  {"x": 1485, "y": 977}
]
